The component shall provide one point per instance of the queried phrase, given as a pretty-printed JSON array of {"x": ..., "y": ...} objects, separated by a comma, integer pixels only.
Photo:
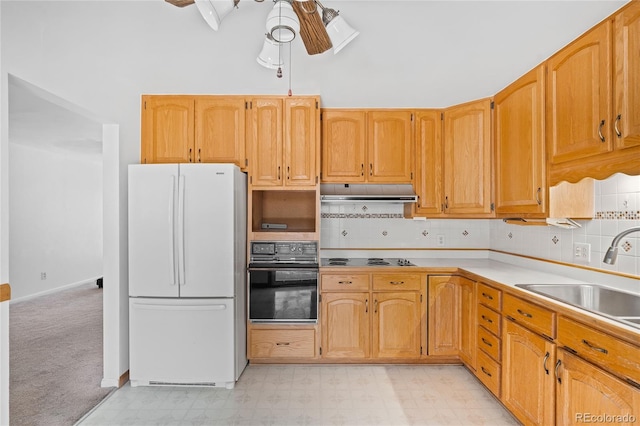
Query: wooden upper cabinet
[
  {"x": 390, "y": 146},
  {"x": 220, "y": 129},
  {"x": 626, "y": 78},
  {"x": 301, "y": 138},
  {"x": 428, "y": 143},
  {"x": 467, "y": 159},
  {"x": 520, "y": 167},
  {"x": 284, "y": 141},
  {"x": 579, "y": 97},
  {"x": 167, "y": 129},
  {"x": 343, "y": 145},
  {"x": 367, "y": 146}
]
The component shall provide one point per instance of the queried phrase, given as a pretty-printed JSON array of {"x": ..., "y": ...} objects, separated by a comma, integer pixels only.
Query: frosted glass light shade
[
  {"x": 269, "y": 55},
  {"x": 214, "y": 11},
  {"x": 340, "y": 33},
  {"x": 282, "y": 22}
]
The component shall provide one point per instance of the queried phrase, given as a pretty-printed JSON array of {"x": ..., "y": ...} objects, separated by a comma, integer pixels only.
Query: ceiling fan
[{"x": 319, "y": 33}]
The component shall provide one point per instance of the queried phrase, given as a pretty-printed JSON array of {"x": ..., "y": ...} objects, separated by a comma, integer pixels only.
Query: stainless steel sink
[{"x": 602, "y": 300}]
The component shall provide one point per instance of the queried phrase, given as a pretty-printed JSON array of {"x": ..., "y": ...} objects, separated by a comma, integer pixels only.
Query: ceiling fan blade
[
  {"x": 181, "y": 3},
  {"x": 312, "y": 30}
]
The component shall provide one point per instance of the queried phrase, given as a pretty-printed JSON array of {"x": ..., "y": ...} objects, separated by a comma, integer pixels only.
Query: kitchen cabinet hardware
[
  {"x": 525, "y": 314},
  {"x": 375, "y": 306},
  {"x": 615, "y": 126},
  {"x": 366, "y": 306},
  {"x": 595, "y": 348},
  {"x": 345, "y": 282},
  {"x": 538, "y": 200},
  {"x": 600, "y": 135},
  {"x": 190, "y": 155},
  {"x": 282, "y": 343},
  {"x": 199, "y": 161},
  {"x": 486, "y": 342},
  {"x": 489, "y": 320},
  {"x": 556, "y": 371},
  {"x": 370, "y": 169},
  {"x": 544, "y": 362},
  {"x": 485, "y": 371},
  {"x": 362, "y": 169},
  {"x": 487, "y": 296},
  {"x": 396, "y": 282},
  {"x": 278, "y": 172},
  {"x": 288, "y": 173}
]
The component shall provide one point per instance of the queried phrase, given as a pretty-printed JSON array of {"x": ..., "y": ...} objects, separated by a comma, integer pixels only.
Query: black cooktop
[{"x": 363, "y": 261}]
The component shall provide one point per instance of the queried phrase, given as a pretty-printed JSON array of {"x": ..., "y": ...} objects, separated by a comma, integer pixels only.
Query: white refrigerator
[{"x": 187, "y": 274}]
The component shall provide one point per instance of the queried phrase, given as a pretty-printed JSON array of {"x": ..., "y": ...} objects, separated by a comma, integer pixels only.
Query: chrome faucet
[{"x": 612, "y": 252}]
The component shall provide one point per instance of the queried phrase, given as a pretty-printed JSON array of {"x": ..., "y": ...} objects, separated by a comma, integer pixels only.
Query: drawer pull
[
  {"x": 488, "y": 296},
  {"x": 595, "y": 348},
  {"x": 345, "y": 282},
  {"x": 486, "y": 342},
  {"x": 487, "y": 319},
  {"x": 396, "y": 282},
  {"x": 544, "y": 363},
  {"x": 282, "y": 344},
  {"x": 485, "y": 372},
  {"x": 525, "y": 314}
]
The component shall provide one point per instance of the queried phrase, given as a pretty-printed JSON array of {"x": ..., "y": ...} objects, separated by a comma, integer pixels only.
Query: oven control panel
[{"x": 284, "y": 251}]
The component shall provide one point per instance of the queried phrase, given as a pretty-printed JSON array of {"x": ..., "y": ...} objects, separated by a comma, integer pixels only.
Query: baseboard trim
[{"x": 55, "y": 290}]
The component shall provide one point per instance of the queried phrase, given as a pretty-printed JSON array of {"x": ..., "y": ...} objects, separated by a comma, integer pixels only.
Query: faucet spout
[{"x": 612, "y": 252}]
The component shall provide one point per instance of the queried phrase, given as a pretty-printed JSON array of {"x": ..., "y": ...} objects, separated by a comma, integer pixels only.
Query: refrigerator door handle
[
  {"x": 181, "y": 266},
  {"x": 172, "y": 230}
]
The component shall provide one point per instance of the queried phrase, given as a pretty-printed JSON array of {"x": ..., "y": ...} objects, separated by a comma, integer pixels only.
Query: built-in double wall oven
[{"x": 283, "y": 281}]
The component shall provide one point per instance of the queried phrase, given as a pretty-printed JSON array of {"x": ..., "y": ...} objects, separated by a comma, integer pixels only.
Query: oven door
[{"x": 283, "y": 294}]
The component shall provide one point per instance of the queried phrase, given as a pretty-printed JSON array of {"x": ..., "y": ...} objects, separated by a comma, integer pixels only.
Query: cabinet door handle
[
  {"x": 199, "y": 160},
  {"x": 366, "y": 306},
  {"x": 345, "y": 282},
  {"x": 375, "y": 306},
  {"x": 278, "y": 172},
  {"x": 288, "y": 174},
  {"x": 487, "y": 342},
  {"x": 190, "y": 155},
  {"x": 370, "y": 169},
  {"x": 485, "y": 371},
  {"x": 525, "y": 314},
  {"x": 396, "y": 282},
  {"x": 600, "y": 135},
  {"x": 556, "y": 371},
  {"x": 615, "y": 126},
  {"x": 544, "y": 362},
  {"x": 446, "y": 202},
  {"x": 487, "y": 319},
  {"x": 595, "y": 348},
  {"x": 361, "y": 169},
  {"x": 487, "y": 296},
  {"x": 538, "y": 200}
]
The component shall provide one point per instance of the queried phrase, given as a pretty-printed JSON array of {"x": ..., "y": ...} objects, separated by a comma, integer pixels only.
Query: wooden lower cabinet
[
  {"x": 528, "y": 361},
  {"x": 443, "y": 315},
  {"x": 468, "y": 321},
  {"x": 345, "y": 325},
  {"x": 587, "y": 394},
  {"x": 396, "y": 325},
  {"x": 275, "y": 342}
]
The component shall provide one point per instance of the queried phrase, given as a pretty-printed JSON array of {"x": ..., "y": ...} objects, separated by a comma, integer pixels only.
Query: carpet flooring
[{"x": 55, "y": 361}]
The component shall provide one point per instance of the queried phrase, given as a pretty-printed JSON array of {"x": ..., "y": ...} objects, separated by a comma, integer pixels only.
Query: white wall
[
  {"x": 102, "y": 55},
  {"x": 56, "y": 219}
]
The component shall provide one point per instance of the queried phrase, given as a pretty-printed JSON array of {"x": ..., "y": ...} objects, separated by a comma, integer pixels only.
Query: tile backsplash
[{"x": 617, "y": 207}]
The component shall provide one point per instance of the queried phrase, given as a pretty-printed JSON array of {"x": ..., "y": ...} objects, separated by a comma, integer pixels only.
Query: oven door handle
[{"x": 287, "y": 268}]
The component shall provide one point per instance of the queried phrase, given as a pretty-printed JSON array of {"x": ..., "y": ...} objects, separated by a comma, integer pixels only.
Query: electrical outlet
[
  {"x": 582, "y": 252},
  {"x": 43, "y": 275},
  {"x": 440, "y": 240}
]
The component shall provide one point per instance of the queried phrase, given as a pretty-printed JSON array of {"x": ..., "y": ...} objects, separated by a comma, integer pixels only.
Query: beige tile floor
[{"x": 314, "y": 395}]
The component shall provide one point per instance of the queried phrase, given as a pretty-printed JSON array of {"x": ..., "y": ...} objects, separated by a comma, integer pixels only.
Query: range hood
[{"x": 356, "y": 193}]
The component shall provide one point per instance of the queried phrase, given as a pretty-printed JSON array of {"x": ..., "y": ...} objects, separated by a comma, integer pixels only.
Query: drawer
[
  {"x": 489, "y": 296},
  {"x": 347, "y": 282},
  {"x": 489, "y": 343},
  {"x": 600, "y": 348},
  {"x": 488, "y": 371},
  {"x": 396, "y": 282},
  {"x": 282, "y": 343},
  {"x": 536, "y": 318},
  {"x": 489, "y": 319}
]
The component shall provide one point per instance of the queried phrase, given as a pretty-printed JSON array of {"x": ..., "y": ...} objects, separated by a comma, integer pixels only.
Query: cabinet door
[
  {"x": 443, "y": 316},
  {"x": 167, "y": 129},
  {"x": 585, "y": 390},
  {"x": 579, "y": 97},
  {"x": 343, "y": 146},
  {"x": 301, "y": 121},
  {"x": 389, "y": 146},
  {"x": 265, "y": 162},
  {"x": 220, "y": 130},
  {"x": 396, "y": 325},
  {"x": 519, "y": 146},
  {"x": 428, "y": 140},
  {"x": 467, "y": 158},
  {"x": 468, "y": 321},
  {"x": 626, "y": 112},
  {"x": 345, "y": 325},
  {"x": 528, "y": 389}
]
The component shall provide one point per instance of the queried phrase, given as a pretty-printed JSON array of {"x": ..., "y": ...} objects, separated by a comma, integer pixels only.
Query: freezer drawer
[{"x": 182, "y": 342}]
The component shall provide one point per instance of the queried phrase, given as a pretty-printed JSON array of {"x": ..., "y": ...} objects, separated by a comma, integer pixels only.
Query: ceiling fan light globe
[
  {"x": 282, "y": 22},
  {"x": 214, "y": 11},
  {"x": 269, "y": 55},
  {"x": 340, "y": 33}
]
